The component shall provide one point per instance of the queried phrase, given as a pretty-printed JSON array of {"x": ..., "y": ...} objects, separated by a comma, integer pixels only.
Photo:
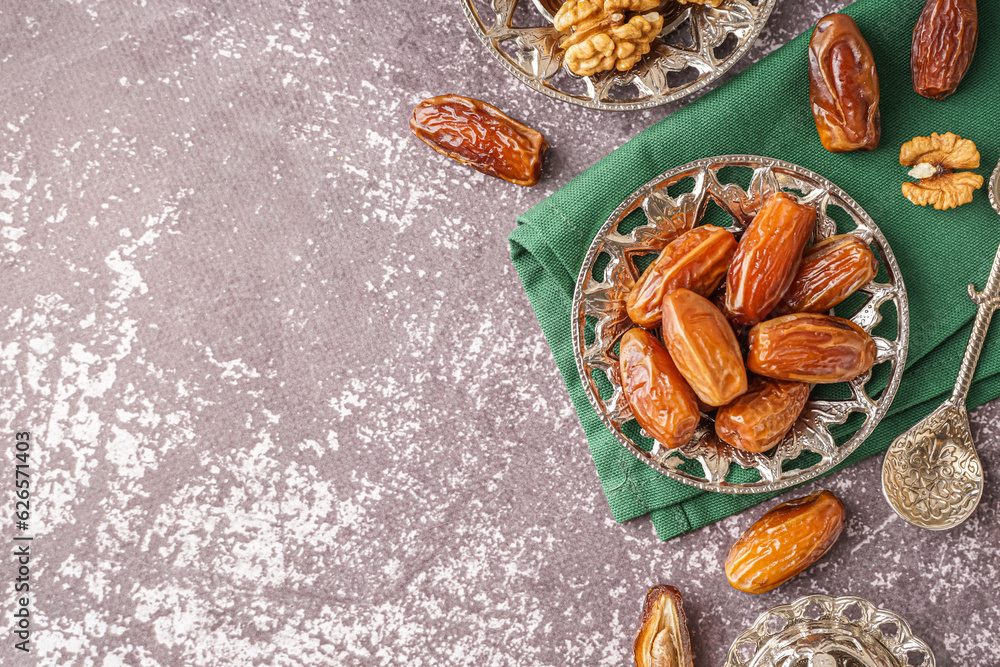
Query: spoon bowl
[{"x": 932, "y": 475}]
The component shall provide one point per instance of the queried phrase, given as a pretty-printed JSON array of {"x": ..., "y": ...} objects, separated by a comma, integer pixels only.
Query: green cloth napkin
[{"x": 765, "y": 111}]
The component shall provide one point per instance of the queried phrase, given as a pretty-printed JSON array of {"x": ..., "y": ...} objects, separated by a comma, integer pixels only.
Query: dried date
[
  {"x": 760, "y": 418},
  {"x": 660, "y": 398},
  {"x": 480, "y": 135},
  {"x": 830, "y": 272},
  {"x": 696, "y": 260},
  {"x": 767, "y": 258},
  {"x": 663, "y": 639},
  {"x": 808, "y": 347},
  {"x": 843, "y": 86},
  {"x": 944, "y": 42},
  {"x": 784, "y": 542},
  {"x": 702, "y": 344}
]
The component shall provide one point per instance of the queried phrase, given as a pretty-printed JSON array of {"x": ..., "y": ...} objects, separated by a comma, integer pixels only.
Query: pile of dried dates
[
  {"x": 763, "y": 298},
  {"x": 744, "y": 322},
  {"x": 780, "y": 288},
  {"x": 718, "y": 301}
]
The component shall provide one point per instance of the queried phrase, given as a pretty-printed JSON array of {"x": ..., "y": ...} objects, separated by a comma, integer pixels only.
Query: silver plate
[
  {"x": 603, "y": 302},
  {"x": 667, "y": 73},
  {"x": 821, "y": 631}
]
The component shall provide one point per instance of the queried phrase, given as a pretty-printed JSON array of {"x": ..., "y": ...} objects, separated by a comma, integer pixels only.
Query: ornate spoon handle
[{"x": 987, "y": 300}]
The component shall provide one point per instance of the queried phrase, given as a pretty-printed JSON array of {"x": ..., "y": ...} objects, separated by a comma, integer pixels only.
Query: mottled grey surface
[{"x": 289, "y": 403}]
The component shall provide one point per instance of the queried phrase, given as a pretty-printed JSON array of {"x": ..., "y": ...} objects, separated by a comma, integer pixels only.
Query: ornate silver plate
[
  {"x": 821, "y": 631},
  {"x": 697, "y": 45},
  {"x": 600, "y": 319}
]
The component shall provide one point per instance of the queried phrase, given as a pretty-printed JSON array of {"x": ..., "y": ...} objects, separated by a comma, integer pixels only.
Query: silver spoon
[{"x": 931, "y": 475}]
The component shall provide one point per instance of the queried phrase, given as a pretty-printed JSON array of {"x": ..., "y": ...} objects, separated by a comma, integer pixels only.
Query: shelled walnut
[
  {"x": 934, "y": 160},
  {"x": 710, "y": 3},
  {"x": 600, "y": 36}
]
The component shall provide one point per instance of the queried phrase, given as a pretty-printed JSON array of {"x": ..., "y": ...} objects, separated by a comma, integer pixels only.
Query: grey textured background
[{"x": 289, "y": 402}]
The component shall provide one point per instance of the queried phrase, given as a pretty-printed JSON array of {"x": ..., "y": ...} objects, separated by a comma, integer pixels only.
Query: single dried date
[
  {"x": 663, "y": 639},
  {"x": 696, "y": 260},
  {"x": 785, "y": 541},
  {"x": 843, "y": 86},
  {"x": 808, "y": 347},
  {"x": 480, "y": 135},
  {"x": 767, "y": 258},
  {"x": 661, "y": 400},
  {"x": 830, "y": 272},
  {"x": 702, "y": 344},
  {"x": 944, "y": 42},
  {"x": 760, "y": 418}
]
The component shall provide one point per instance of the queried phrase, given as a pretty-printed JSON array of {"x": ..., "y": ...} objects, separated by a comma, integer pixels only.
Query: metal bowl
[
  {"x": 600, "y": 319},
  {"x": 821, "y": 631},
  {"x": 697, "y": 45}
]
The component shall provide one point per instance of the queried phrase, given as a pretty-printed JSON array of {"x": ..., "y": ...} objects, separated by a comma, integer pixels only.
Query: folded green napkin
[{"x": 765, "y": 111}]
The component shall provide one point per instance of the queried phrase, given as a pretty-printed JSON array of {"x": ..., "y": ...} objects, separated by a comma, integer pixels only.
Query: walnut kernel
[
  {"x": 943, "y": 192},
  {"x": 934, "y": 160},
  {"x": 600, "y": 37}
]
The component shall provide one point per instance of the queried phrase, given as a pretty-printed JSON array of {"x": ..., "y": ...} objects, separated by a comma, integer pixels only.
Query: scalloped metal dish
[
  {"x": 823, "y": 631},
  {"x": 604, "y": 302},
  {"x": 538, "y": 59}
]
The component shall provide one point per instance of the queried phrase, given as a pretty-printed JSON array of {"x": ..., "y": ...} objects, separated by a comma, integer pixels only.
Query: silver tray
[
  {"x": 821, "y": 631},
  {"x": 603, "y": 302},
  {"x": 668, "y": 72}
]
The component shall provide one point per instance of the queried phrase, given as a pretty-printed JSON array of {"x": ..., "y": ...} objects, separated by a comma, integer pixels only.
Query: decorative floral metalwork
[
  {"x": 823, "y": 631},
  {"x": 933, "y": 474},
  {"x": 668, "y": 72},
  {"x": 599, "y": 302}
]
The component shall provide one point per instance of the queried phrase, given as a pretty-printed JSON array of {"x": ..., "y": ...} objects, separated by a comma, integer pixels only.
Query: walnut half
[
  {"x": 934, "y": 160},
  {"x": 663, "y": 639},
  {"x": 599, "y": 35}
]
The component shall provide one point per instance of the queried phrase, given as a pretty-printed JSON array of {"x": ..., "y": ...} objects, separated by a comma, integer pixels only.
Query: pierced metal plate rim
[
  {"x": 994, "y": 185},
  {"x": 898, "y": 359},
  {"x": 703, "y": 80},
  {"x": 870, "y": 621}
]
